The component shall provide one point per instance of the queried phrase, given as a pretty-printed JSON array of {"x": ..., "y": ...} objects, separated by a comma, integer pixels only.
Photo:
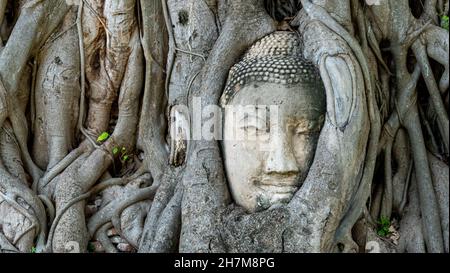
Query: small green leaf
[
  {"x": 115, "y": 150},
  {"x": 383, "y": 226},
  {"x": 444, "y": 22},
  {"x": 124, "y": 150},
  {"x": 384, "y": 221},
  {"x": 33, "y": 249},
  {"x": 102, "y": 137},
  {"x": 125, "y": 158}
]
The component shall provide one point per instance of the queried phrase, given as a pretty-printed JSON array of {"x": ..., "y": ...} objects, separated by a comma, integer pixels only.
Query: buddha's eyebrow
[
  {"x": 310, "y": 108},
  {"x": 255, "y": 112}
]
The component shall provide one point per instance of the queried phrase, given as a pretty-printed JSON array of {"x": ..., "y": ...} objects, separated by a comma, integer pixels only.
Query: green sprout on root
[
  {"x": 102, "y": 137},
  {"x": 383, "y": 226},
  {"x": 444, "y": 22},
  {"x": 124, "y": 156}
]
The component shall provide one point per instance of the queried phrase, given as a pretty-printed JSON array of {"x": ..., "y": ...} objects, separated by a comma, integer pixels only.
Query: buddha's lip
[
  {"x": 285, "y": 189},
  {"x": 279, "y": 181},
  {"x": 279, "y": 185}
]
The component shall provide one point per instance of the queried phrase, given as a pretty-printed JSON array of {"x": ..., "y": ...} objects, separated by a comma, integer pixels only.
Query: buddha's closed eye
[{"x": 254, "y": 124}]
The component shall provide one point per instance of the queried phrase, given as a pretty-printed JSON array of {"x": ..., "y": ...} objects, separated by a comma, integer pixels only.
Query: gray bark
[{"x": 90, "y": 89}]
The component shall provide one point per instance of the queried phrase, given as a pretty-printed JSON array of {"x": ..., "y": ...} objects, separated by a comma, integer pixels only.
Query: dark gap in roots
[
  {"x": 340, "y": 247},
  {"x": 140, "y": 18},
  {"x": 140, "y": 154},
  {"x": 438, "y": 70},
  {"x": 429, "y": 116},
  {"x": 416, "y": 7},
  {"x": 96, "y": 60},
  {"x": 281, "y": 10},
  {"x": 379, "y": 168},
  {"x": 394, "y": 163},
  {"x": 378, "y": 180},
  {"x": 386, "y": 54},
  {"x": 9, "y": 13},
  {"x": 410, "y": 61},
  {"x": 114, "y": 116},
  {"x": 116, "y": 167},
  {"x": 28, "y": 115},
  {"x": 8, "y": 21},
  {"x": 15, "y": 10}
]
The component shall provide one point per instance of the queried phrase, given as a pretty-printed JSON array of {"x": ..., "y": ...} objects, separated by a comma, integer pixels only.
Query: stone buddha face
[{"x": 274, "y": 111}]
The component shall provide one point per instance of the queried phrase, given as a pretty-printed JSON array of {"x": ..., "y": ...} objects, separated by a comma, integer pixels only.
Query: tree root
[
  {"x": 402, "y": 156},
  {"x": 409, "y": 117},
  {"x": 386, "y": 208},
  {"x": 101, "y": 235},
  {"x": 6, "y": 246},
  {"x": 94, "y": 190},
  {"x": 152, "y": 123},
  {"x": 438, "y": 105},
  {"x": 13, "y": 191},
  {"x": 405, "y": 191},
  {"x": 141, "y": 195},
  {"x": 188, "y": 187},
  {"x": 50, "y": 208},
  {"x": 162, "y": 197},
  {"x": 60, "y": 167},
  {"x": 343, "y": 234},
  {"x": 166, "y": 236}
]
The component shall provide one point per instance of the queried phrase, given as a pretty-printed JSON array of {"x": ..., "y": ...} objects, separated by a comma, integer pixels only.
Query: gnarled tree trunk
[{"x": 98, "y": 117}]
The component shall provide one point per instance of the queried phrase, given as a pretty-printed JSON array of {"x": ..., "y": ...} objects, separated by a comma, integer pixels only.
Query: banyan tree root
[
  {"x": 56, "y": 95},
  {"x": 408, "y": 111},
  {"x": 126, "y": 212},
  {"x": 88, "y": 168},
  {"x": 68, "y": 78}
]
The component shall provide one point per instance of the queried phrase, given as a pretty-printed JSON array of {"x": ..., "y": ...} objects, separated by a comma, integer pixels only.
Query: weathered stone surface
[
  {"x": 125, "y": 247},
  {"x": 255, "y": 232}
]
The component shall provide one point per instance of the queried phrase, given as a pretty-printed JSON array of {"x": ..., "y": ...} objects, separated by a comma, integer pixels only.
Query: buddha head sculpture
[{"x": 275, "y": 106}]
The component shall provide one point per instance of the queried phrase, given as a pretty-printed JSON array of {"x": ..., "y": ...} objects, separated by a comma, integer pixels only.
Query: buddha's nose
[{"x": 281, "y": 157}]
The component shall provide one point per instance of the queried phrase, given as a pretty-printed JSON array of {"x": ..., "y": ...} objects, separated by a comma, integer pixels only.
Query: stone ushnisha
[{"x": 276, "y": 58}]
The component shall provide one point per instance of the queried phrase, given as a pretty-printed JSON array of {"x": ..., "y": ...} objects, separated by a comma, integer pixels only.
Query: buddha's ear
[{"x": 339, "y": 78}]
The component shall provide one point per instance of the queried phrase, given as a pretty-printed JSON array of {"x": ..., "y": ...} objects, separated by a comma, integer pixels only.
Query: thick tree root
[{"x": 68, "y": 78}]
